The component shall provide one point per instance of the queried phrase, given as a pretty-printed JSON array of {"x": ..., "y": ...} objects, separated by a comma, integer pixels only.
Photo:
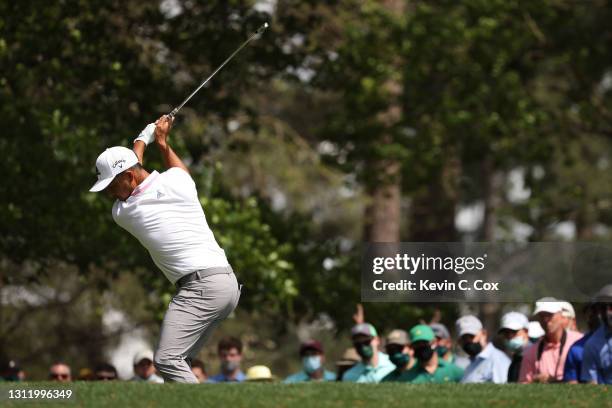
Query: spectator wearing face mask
[
  {"x": 597, "y": 362},
  {"x": 229, "y": 351},
  {"x": 429, "y": 367},
  {"x": 544, "y": 360},
  {"x": 444, "y": 345},
  {"x": 514, "y": 329},
  {"x": 397, "y": 346},
  {"x": 487, "y": 363},
  {"x": 573, "y": 362},
  {"x": 374, "y": 364},
  {"x": 313, "y": 359}
]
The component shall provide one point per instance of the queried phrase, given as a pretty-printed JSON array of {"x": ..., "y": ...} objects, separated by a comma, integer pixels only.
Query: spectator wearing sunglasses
[{"x": 60, "y": 372}]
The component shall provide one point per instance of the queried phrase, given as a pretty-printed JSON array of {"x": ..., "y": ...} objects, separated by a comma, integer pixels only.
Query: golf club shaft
[{"x": 251, "y": 38}]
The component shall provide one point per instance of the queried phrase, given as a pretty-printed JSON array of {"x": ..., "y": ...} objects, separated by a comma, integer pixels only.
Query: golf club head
[{"x": 261, "y": 29}]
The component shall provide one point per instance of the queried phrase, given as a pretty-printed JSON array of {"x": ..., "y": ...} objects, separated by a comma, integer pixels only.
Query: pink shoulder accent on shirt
[{"x": 142, "y": 187}]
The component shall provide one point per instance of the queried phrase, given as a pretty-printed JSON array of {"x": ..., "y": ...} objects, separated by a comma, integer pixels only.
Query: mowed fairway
[{"x": 127, "y": 394}]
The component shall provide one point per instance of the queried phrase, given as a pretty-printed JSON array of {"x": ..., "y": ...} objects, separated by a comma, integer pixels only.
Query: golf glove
[{"x": 147, "y": 135}]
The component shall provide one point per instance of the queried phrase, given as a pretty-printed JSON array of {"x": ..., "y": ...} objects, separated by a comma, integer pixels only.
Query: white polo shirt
[{"x": 165, "y": 215}]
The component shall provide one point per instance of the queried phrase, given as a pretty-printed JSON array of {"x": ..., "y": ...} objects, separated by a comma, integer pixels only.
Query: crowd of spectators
[{"x": 547, "y": 349}]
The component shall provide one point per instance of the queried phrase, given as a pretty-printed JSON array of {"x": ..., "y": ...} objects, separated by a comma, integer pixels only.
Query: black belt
[{"x": 203, "y": 273}]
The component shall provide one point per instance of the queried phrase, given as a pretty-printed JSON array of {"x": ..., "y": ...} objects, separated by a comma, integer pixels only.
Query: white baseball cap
[
  {"x": 514, "y": 321},
  {"x": 142, "y": 355},
  {"x": 535, "y": 330},
  {"x": 468, "y": 325},
  {"x": 548, "y": 305},
  {"x": 604, "y": 295},
  {"x": 111, "y": 162},
  {"x": 567, "y": 309}
]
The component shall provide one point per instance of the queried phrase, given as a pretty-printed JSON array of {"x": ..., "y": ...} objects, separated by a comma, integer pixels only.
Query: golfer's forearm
[
  {"x": 170, "y": 158},
  {"x": 139, "y": 148}
]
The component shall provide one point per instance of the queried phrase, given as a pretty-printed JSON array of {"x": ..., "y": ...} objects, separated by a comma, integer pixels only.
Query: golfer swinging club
[{"x": 163, "y": 212}]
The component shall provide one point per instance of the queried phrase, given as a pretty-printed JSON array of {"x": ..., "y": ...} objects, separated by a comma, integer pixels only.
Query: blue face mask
[
  {"x": 515, "y": 344},
  {"x": 311, "y": 363}
]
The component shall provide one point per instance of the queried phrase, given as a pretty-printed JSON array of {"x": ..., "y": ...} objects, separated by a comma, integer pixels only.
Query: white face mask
[
  {"x": 229, "y": 366},
  {"x": 311, "y": 363}
]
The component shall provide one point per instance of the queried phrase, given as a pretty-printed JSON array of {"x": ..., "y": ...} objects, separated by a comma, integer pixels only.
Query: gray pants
[{"x": 194, "y": 312}]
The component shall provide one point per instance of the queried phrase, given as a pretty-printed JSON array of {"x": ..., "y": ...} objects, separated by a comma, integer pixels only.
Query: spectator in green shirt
[
  {"x": 397, "y": 346},
  {"x": 444, "y": 346},
  {"x": 430, "y": 368}
]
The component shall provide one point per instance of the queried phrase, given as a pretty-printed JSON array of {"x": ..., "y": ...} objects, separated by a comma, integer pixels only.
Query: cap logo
[
  {"x": 119, "y": 163},
  {"x": 97, "y": 171}
]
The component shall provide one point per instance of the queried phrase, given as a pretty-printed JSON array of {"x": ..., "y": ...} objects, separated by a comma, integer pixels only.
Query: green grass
[{"x": 127, "y": 394}]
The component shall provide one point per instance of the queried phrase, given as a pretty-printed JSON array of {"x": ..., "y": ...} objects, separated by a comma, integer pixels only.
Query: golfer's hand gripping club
[
  {"x": 162, "y": 129},
  {"x": 255, "y": 35}
]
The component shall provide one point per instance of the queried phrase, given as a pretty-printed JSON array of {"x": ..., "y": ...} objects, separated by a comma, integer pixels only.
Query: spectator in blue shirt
[
  {"x": 374, "y": 364},
  {"x": 313, "y": 359},
  {"x": 573, "y": 362},
  {"x": 488, "y": 364},
  {"x": 597, "y": 362},
  {"x": 229, "y": 351},
  {"x": 514, "y": 329}
]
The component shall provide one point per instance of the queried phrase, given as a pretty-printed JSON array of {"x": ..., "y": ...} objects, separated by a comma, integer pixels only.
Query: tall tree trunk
[
  {"x": 493, "y": 190},
  {"x": 493, "y": 198},
  {"x": 382, "y": 213}
]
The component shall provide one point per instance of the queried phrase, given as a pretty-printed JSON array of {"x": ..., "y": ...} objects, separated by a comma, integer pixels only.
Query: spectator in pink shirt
[{"x": 544, "y": 361}]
